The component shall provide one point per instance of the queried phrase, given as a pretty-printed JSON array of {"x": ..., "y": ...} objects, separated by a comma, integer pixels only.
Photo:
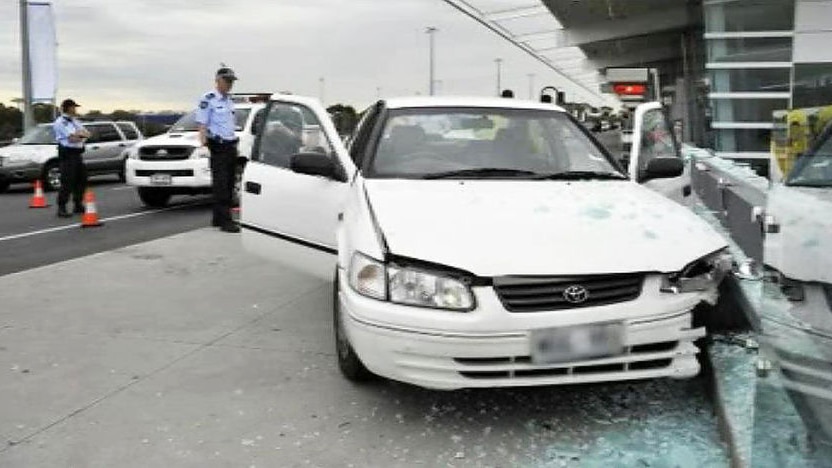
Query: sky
[{"x": 162, "y": 54}]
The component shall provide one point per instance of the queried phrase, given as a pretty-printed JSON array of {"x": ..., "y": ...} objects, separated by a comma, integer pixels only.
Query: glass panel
[
  {"x": 128, "y": 131},
  {"x": 420, "y": 142},
  {"x": 812, "y": 84},
  {"x": 40, "y": 135},
  {"x": 763, "y": 49},
  {"x": 744, "y": 80},
  {"x": 741, "y": 140},
  {"x": 747, "y": 110},
  {"x": 750, "y": 15},
  {"x": 290, "y": 129},
  {"x": 656, "y": 139}
]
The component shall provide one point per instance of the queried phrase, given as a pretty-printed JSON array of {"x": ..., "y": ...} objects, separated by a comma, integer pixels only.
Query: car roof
[{"x": 468, "y": 101}]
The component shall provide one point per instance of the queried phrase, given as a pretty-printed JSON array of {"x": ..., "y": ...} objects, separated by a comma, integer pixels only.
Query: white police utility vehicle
[
  {"x": 487, "y": 243},
  {"x": 175, "y": 163}
]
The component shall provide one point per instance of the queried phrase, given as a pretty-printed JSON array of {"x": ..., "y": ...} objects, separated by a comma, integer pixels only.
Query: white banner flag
[{"x": 42, "y": 51}]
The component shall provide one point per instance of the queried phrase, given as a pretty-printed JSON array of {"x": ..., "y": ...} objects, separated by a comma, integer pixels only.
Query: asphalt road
[{"x": 34, "y": 237}]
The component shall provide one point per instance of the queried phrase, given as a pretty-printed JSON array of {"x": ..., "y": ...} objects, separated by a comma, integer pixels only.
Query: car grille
[
  {"x": 650, "y": 356},
  {"x": 170, "y": 172},
  {"x": 527, "y": 294},
  {"x": 165, "y": 153}
]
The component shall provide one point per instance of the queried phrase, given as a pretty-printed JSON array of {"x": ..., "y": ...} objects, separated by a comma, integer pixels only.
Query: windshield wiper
[
  {"x": 582, "y": 175},
  {"x": 481, "y": 172}
]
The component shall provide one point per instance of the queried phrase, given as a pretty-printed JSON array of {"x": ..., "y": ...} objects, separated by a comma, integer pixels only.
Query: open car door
[
  {"x": 294, "y": 187},
  {"x": 653, "y": 139}
]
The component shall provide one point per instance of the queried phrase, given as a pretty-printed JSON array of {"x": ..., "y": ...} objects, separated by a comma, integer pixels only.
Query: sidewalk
[{"x": 188, "y": 352}]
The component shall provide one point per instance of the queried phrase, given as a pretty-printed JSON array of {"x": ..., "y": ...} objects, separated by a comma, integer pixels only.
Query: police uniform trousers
[
  {"x": 73, "y": 175},
  {"x": 223, "y": 167}
]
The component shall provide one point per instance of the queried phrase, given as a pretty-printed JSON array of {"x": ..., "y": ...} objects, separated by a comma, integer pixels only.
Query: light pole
[
  {"x": 499, "y": 63},
  {"x": 28, "y": 115},
  {"x": 431, "y": 31}
]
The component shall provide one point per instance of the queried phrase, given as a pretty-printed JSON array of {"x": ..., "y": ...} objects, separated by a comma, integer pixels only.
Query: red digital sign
[{"x": 631, "y": 89}]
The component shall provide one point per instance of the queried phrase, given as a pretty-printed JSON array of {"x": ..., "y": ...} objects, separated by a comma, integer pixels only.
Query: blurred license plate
[
  {"x": 575, "y": 343},
  {"x": 160, "y": 179}
]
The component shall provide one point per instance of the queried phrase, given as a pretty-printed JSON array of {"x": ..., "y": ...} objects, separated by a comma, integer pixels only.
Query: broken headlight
[{"x": 701, "y": 275}]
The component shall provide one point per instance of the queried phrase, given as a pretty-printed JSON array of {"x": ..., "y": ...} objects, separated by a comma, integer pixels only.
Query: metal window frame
[
  {"x": 750, "y": 95},
  {"x": 741, "y": 65},
  {"x": 748, "y": 34},
  {"x": 742, "y": 125}
]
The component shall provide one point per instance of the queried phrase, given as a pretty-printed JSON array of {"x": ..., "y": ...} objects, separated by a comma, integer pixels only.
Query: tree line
[{"x": 11, "y": 120}]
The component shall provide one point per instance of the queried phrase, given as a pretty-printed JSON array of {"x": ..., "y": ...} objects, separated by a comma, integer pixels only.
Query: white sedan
[{"x": 517, "y": 254}]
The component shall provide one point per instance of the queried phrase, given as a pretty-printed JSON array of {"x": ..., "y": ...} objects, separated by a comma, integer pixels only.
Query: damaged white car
[{"x": 486, "y": 243}]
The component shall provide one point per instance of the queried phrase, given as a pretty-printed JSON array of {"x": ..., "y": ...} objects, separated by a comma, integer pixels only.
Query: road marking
[
  {"x": 126, "y": 187},
  {"x": 112, "y": 218}
]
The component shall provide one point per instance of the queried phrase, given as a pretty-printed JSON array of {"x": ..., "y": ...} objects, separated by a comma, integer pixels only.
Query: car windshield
[
  {"x": 40, "y": 135},
  {"x": 188, "y": 121},
  {"x": 486, "y": 143},
  {"x": 814, "y": 169}
]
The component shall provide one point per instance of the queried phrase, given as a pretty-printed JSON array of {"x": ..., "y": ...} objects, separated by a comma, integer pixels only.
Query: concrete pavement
[{"x": 186, "y": 351}]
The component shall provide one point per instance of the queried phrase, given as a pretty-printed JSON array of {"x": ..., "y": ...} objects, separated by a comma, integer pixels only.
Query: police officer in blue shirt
[
  {"x": 215, "y": 116},
  {"x": 70, "y": 135}
]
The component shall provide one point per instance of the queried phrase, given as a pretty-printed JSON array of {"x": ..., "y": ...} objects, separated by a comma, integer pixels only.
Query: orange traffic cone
[
  {"x": 38, "y": 200},
  {"x": 90, "y": 217}
]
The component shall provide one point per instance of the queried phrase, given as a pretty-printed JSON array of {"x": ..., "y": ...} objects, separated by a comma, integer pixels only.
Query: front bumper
[
  {"x": 184, "y": 173},
  {"x": 490, "y": 347}
]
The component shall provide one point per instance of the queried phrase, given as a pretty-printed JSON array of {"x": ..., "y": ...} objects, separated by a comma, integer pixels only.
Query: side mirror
[
  {"x": 316, "y": 164},
  {"x": 663, "y": 168}
]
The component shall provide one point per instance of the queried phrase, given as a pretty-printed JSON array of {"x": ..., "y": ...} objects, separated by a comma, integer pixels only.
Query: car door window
[
  {"x": 656, "y": 139},
  {"x": 290, "y": 129},
  {"x": 357, "y": 145},
  {"x": 103, "y": 133},
  {"x": 129, "y": 131}
]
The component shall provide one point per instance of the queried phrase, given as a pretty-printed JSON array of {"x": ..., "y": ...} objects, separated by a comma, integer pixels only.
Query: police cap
[
  {"x": 226, "y": 74},
  {"x": 67, "y": 103}
]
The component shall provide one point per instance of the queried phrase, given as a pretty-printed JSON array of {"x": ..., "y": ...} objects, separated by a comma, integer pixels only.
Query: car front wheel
[
  {"x": 348, "y": 362},
  {"x": 52, "y": 176}
]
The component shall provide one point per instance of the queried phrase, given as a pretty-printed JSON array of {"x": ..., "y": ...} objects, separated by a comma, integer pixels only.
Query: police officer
[
  {"x": 215, "y": 116},
  {"x": 70, "y": 135}
]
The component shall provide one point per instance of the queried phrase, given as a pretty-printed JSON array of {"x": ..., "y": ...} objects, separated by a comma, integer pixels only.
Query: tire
[
  {"x": 154, "y": 197},
  {"x": 348, "y": 362},
  {"x": 122, "y": 173},
  {"x": 51, "y": 176},
  {"x": 4, "y": 185},
  {"x": 237, "y": 191}
]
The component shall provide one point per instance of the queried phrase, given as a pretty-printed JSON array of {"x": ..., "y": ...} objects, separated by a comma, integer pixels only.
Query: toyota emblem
[
  {"x": 162, "y": 153},
  {"x": 576, "y": 294}
]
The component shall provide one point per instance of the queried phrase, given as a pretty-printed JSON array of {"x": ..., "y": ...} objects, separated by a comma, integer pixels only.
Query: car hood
[
  {"x": 174, "y": 139},
  {"x": 26, "y": 152},
  {"x": 493, "y": 228}
]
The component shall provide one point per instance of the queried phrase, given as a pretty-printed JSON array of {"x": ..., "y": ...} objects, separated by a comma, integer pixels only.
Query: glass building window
[
  {"x": 750, "y": 49},
  {"x": 750, "y": 15},
  {"x": 745, "y": 80},
  {"x": 743, "y": 140},
  {"x": 747, "y": 110},
  {"x": 812, "y": 84}
]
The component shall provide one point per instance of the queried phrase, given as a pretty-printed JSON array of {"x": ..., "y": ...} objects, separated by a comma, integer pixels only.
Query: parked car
[
  {"x": 35, "y": 155},
  {"x": 522, "y": 256},
  {"x": 175, "y": 163}
]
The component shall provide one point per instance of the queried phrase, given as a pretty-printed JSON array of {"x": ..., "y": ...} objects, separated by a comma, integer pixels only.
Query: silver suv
[{"x": 35, "y": 155}]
